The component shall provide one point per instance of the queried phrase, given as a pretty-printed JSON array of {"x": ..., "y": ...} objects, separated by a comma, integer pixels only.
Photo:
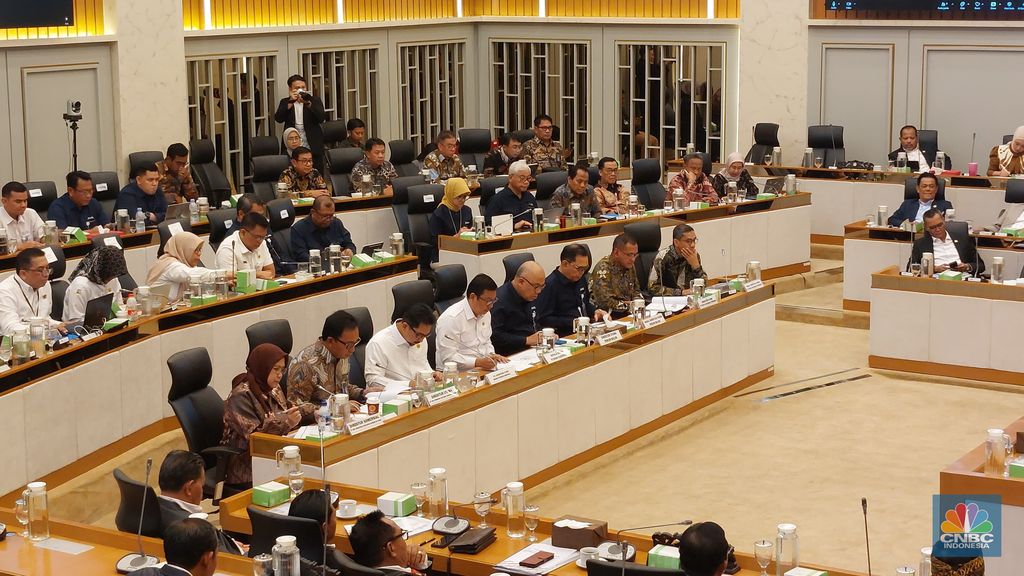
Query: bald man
[
  {"x": 514, "y": 316},
  {"x": 320, "y": 230}
]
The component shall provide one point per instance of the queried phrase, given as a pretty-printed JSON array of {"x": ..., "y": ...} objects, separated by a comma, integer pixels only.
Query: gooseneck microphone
[
  {"x": 621, "y": 549},
  {"x": 132, "y": 562},
  {"x": 867, "y": 541}
]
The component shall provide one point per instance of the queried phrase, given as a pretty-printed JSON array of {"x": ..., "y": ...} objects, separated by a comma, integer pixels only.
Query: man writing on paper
[
  {"x": 245, "y": 248},
  {"x": 566, "y": 295},
  {"x": 515, "y": 199},
  {"x": 913, "y": 210},
  {"x": 324, "y": 364},
  {"x": 464, "y": 330},
  {"x": 951, "y": 250},
  {"x": 396, "y": 354},
  {"x": 514, "y": 322},
  {"x": 614, "y": 283},
  {"x": 678, "y": 265},
  {"x": 26, "y": 293}
]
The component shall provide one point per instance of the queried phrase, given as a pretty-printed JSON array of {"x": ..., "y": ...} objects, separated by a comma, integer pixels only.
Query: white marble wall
[{"x": 773, "y": 73}]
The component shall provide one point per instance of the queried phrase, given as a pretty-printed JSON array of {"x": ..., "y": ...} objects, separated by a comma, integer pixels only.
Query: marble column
[
  {"x": 773, "y": 72},
  {"x": 150, "y": 95}
]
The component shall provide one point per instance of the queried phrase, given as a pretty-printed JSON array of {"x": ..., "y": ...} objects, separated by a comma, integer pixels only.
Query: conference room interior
[{"x": 841, "y": 379}]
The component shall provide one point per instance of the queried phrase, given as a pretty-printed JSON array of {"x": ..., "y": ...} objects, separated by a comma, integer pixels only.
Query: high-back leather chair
[
  {"x": 547, "y": 183},
  {"x": 450, "y": 285},
  {"x": 136, "y": 159},
  {"x": 474, "y": 144},
  {"x": 281, "y": 213},
  {"x": 59, "y": 266},
  {"x": 130, "y": 508},
  {"x": 827, "y": 142},
  {"x": 105, "y": 187},
  {"x": 213, "y": 184},
  {"x": 766, "y": 138},
  {"x": 423, "y": 200},
  {"x": 648, "y": 242},
  {"x": 342, "y": 161},
  {"x": 489, "y": 187},
  {"x": 647, "y": 183},
  {"x": 222, "y": 224},
  {"x": 403, "y": 156},
  {"x": 58, "y": 288},
  {"x": 264, "y": 146},
  {"x": 1014, "y": 191},
  {"x": 164, "y": 230},
  {"x": 412, "y": 292},
  {"x": 277, "y": 332},
  {"x": 400, "y": 204},
  {"x": 524, "y": 136},
  {"x": 357, "y": 362},
  {"x": 267, "y": 526},
  {"x": 334, "y": 132},
  {"x": 41, "y": 194},
  {"x": 512, "y": 262},
  {"x": 266, "y": 172}
]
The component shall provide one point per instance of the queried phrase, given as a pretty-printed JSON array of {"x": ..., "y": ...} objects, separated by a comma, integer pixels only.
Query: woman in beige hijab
[
  {"x": 1008, "y": 159},
  {"x": 180, "y": 260}
]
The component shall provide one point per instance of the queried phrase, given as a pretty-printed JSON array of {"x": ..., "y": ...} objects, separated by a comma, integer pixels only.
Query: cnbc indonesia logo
[{"x": 967, "y": 526}]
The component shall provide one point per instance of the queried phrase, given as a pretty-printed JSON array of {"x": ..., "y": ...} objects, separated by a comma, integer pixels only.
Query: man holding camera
[{"x": 304, "y": 112}]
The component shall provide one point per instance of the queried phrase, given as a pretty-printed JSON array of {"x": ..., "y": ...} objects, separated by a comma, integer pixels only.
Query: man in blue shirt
[
  {"x": 320, "y": 230},
  {"x": 514, "y": 323},
  {"x": 515, "y": 199},
  {"x": 78, "y": 208},
  {"x": 143, "y": 192},
  {"x": 913, "y": 210},
  {"x": 566, "y": 295}
]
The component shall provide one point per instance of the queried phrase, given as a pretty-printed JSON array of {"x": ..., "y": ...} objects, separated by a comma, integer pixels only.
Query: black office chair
[
  {"x": 423, "y": 200},
  {"x": 128, "y": 282},
  {"x": 512, "y": 262},
  {"x": 200, "y": 411},
  {"x": 277, "y": 332},
  {"x": 130, "y": 509},
  {"x": 474, "y": 144},
  {"x": 213, "y": 184},
  {"x": 40, "y": 195},
  {"x": 766, "y": 138},
  {"x": 357, "y": 362},
  {"x": 281, "y": 213},
  {"x": 648, "y": 242},
  {"x": 616, "y": 568},
  {"x": 222, "y": 223},
  {"x": 59, "y": 266},
  {"x": 1007, "y": 138},
  {"x": 489, "y": 187},
  {"x": 1014, "y": 191},
  {"x": 547, "y": 183},
  {"x": 400, "y": 204},
  {"x": 403, "y": 156},
  {"x": 264, "y": 146},
  {"x": 910, "y": 189},
  {"x": 58, "y": 288},
  {"x": 342, "y": 161},
  {"x": 708, "y": 163},
  {"x": 523, "y": 136},
  {"x": 928, "y": 142},
  {"x": 136, "y": 159},
  {"x": 827, "y": 142},
  {"x": 647, "y": 182},
  {"x": 412, "y": 292},
  {"x": 164, "y": 229},
  {"x": 593, "y": 175},
  {"x": 334, "y": 132},
  {"x": 266, "y": 172},
  {"x": 450, "y": 285},
  {"x": 101, "y": 240},
  {"x": 267, "y": 526},
  {"x": 105, "y": 187}
]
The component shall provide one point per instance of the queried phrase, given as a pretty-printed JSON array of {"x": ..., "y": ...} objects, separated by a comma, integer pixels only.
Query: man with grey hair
[
  {"x": 678, "y": 265},
  {"x": 514, "y": 315},
  {"x": 515, "y": 199}
]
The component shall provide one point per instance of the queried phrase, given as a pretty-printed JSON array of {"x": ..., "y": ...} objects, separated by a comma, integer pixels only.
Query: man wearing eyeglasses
[
  {"x": 301, "y": 178},
  {"x": 319, "y": 231},
  {"x": 26, "y": 293},
  {"x": 613, "y": 283},
  {"x": 515, "y": 325},
  {"x": 953, "y": 250},
  {"x": 396, "y": 354},
  {"x": 245, "y": 248},
  {"x": 543, "y": 150},
  {"x": 377, "y": 542},
  {"x": 464, "y": 329},
  {"x": 324, "y": 365},
  {"x": 566, "y": 295},
  {"x": 677, "y": 266}
]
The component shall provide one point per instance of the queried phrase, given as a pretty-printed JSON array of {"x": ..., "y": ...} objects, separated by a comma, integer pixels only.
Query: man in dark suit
[
  {"x": 190, "y": 547},
  {"x": 182, "y": 476},
  {"x": 913, "y": 210},
  {"x": 909, "y": 145},
  {"x": 304, "y": 112},
  {"x": 952, "y": 248}
]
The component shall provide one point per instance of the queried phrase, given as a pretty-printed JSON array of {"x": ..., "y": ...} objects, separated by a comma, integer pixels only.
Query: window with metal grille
[
  {"x": 670, "y": 96},
  {"x": 346, "y": 80},
  {"x": 230, "y": 100},
  {"x": 552, "y": 78},
  {"x": 432, "y": 87}
]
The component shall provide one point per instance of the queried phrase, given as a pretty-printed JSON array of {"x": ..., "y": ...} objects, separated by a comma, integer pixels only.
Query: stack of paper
[
  {"x": 562, "y": 557},
  {"x": 668, "y": 303}
]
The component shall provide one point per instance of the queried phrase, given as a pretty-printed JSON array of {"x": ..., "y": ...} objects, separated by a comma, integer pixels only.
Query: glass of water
[
  {"x": 818, "y": 162},
  {"x": 419, "y": 491},
  {"x": 532, "y": 514},
  {"x": 482, "y": 504},
  {"x": 915, "y": 268},
  {"x": 6, "y": 349},
  {"x": 763, "y": 555},
  {"x": 767, "y": 159},
  {"x": 296, "y": 481},
  {"x": 21, "y": 513}
]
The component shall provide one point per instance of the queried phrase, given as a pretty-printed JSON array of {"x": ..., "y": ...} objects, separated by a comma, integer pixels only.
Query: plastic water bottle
[
  {"x": 925, "y": 567},
  {"x": 787, "y": 549},
  {"x": 323, "y": 415},
  {"x": 193, "y": 212},
  {"x": 450, "y": 373},
  {"x": 132, "y": 305},
  {"x": 140, "y": 220}
]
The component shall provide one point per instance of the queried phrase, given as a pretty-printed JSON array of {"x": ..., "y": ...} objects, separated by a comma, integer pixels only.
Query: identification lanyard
[{"x": 34, "y": 308}]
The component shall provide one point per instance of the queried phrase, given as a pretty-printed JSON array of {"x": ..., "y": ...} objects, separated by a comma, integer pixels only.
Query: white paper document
[
  {"x": 523, "y": 360},
  {"x": 65, "y": 546},
  {"x": 414, "y": 524},
  {"x": 668, "y": 303},
  {"x": 562, "y": 557}
]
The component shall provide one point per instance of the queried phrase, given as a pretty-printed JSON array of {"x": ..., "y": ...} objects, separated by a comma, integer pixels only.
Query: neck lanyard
[{"x": 34, "y": 308}]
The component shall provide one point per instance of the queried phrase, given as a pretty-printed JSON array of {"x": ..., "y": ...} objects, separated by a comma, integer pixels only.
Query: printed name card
[
  {"x": 101, "y": 186},
  {"x": 428, "y": 197},
  {"x": 35, "y": 192},
  {"x": 500, "y": 375},
  {"x": 752, "y": 285},
  {"x": 441, "y": 396},
  {"x": 705, "y": 301},
  {"x": 112, "y": 241},
  {"x": 653, "y": 321},
  {"x": 284, "y": 214},
  {"x": 555, "y": 355},
  {"x": 609, "y": 337},
  {"x": 50, "y": 256},
  {"x": 357, "y": 426},
  {"x": 175, "y": 228}
]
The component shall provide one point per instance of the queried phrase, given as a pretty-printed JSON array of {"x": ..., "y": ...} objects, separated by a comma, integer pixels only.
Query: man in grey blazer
[{"x": 182, "y": 475}]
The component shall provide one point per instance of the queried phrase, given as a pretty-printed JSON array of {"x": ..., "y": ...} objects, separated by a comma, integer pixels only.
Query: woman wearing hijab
[
  {"x": 96, "y": 275},
  {"x": 256, "y": 404},
  {"x": 733, "y": 171},
  {"x": 292, "y": 140},
  {"x": 452, "y": 216},
  {"x": 179, "y": 261}
]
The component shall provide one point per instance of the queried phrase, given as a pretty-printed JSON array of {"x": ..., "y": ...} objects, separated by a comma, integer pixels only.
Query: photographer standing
[{"x": 304, "y": 112}]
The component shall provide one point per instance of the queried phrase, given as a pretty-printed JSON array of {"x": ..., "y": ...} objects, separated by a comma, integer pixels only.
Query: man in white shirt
[
  {"x": 909, "y": 146},
  {"x": 950, "y": 250},
  {"x": 22, "y": 224},
  {"x": 26, "y": 293},
  {"x": 377, "y": 542},
  {"x": 396, "y": 354},
  {"x": 245, "y": 248},
  {"x": 464, "y": 330}
]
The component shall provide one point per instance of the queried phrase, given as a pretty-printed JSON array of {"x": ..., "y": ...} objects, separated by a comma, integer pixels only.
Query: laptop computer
[
  {"x": 775, "y": 186},
  {"x": 177, "y": 212},
  {"x": 97, "y": 312}
]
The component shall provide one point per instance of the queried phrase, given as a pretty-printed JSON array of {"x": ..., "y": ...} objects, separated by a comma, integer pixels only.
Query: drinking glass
[
  {"x": 532, "y": 512},
  {"x": 345, "y": 261},
  {"x": 767, "y": 159},
  {"x": 763, "y": 554},
  {"x": 482, "y": 503},
  {"x": 296, "y": 482},
  {"x": 419, "y": 490},
  {"x": 818, "y": 162},
  {"x": 6, "y": 349},
  {"x": 905, "y": 571},
  {"x": 21, "y": 512},
  {"x": 915, "y": 268},
  {"x": 667, "y": 206}
]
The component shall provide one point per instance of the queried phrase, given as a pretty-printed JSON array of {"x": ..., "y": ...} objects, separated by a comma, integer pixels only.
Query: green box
[
  {"x": 589, "y": 221},
  {"x": 951, "y": 275},
  {"x": 1015, "y": 232},
  {"x": 75, "y": 234},
  {"x": 396, "y": 504},
  {"x": 397, "y": 406},
  {"x": 270, "y": 494},
  {"x": 468, "y": 235},
  {"x": 697, "y": 205},
  {"x": 736, "y": 284},
  {"x": 114, "y": 324},
  {"x": 314, "y": 436},
  {"x": 662, "y": 556},
  {"x": 575, "y": 347},
  {"x": 362, "y": 261},
  {"x": 551, "y": 226},
  {"x": 650, "y": 213},
  {"x": 200, "y": 300},
  {"x": 263, "y": 284},
  {"x": 382, "y": 256},
  {"x": 244, "y": 280},
  {"x": 799, "y": 571},
  {"x": 1017, "y": 468},
  {"x": 763, "y": 196},
  {"x": 303, "y": 201}
]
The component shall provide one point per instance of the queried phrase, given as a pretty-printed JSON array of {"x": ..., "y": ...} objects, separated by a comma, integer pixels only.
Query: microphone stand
[
  {"x": 132, "y": 562},
  {"x": 867, "y": 542},
  {"x": 623, "y": 547}
]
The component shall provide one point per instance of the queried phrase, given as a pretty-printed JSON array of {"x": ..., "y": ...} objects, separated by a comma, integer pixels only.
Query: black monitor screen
[
  {"x": 32, "y": 13},
  {"x": 949, "y": 6}
]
